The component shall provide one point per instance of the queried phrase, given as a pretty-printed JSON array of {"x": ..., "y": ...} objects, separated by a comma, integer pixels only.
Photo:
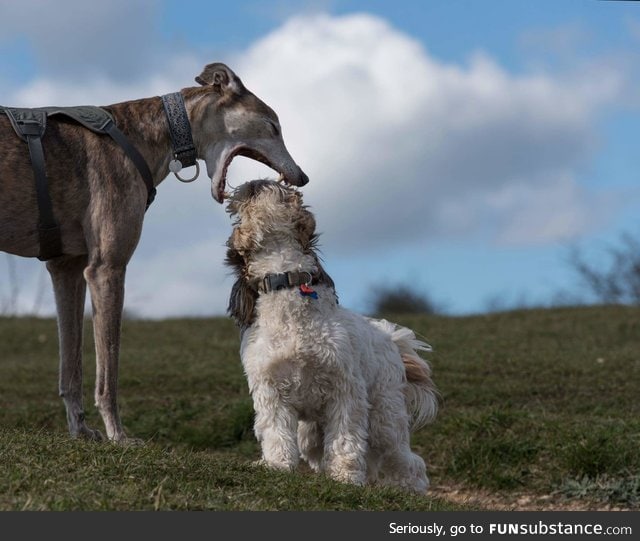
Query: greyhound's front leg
[
  {"x": 69, "y": 289},
  {"x": 106, "y": 284}
]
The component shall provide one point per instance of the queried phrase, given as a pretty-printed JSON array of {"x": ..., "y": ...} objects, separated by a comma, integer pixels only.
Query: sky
[{"x": 462, "y": 148}]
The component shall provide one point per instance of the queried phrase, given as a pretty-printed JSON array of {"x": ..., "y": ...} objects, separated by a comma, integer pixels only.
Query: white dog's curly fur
[{"x": 341, "y": 391}]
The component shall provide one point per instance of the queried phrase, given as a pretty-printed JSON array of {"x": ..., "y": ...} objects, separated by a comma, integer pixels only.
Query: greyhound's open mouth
[
  {"x": 219, "y": 180},
  {"x": 289, "y": 171}
]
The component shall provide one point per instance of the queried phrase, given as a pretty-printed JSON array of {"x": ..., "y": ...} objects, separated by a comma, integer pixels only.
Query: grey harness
[{"x": 30, "y": 125}]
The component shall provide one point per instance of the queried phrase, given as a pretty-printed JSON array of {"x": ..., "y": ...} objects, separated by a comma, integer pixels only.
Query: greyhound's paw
[
  {"x": 126, "y": 441},
  {"x": 90, "y": 434},
  {"x": 135, "y": 442}
]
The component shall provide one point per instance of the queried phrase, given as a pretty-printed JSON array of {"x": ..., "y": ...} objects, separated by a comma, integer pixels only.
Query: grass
[
  {"x": 539, "y": 401},
  {"x": 542, "y": 401},
  {"x": 49, "y": 472}
]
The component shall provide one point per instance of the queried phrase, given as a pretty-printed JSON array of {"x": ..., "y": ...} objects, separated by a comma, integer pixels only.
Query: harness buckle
[
  {"x": 29, "y": 127},
  {"x": 276, "y": 282}
]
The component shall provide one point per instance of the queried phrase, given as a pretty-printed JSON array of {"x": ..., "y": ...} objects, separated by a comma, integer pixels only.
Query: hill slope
[{"x": 541, "y": 402}]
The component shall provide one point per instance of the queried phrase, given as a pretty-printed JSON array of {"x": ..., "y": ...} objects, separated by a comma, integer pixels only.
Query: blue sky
[{"x": 462, "y": 147}]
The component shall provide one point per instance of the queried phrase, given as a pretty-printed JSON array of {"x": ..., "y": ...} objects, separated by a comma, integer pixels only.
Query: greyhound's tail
[{"x": 421, "y": 395}]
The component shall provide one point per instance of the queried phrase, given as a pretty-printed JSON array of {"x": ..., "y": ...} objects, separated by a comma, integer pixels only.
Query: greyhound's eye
[{"x": 274, "y": 128}]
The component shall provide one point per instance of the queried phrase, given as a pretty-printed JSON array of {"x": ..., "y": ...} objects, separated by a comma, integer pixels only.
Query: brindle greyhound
[{"x": 99, "y": 201}]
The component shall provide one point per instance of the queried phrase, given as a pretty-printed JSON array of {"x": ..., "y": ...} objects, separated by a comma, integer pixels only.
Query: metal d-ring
[{"x": 187, "y": 180}]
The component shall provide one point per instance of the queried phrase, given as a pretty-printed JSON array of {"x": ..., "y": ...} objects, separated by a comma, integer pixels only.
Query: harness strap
[
  {"x": 134, "y": 155},
  {"x": 48, "y": 228},
  {"x": 30, "y": 126}
]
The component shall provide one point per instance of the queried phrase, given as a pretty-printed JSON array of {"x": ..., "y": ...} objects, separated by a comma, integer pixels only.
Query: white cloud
[
  {"x": 398, "y": 145},
  {"x": 555, "y": 209},
  {"x": 390, "y": 136}
]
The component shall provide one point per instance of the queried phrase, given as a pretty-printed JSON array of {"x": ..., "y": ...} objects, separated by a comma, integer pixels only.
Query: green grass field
[{"x": 538, "y": 402}]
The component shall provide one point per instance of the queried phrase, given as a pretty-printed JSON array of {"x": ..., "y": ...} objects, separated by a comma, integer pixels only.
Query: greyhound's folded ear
[{"x": 221, "y": 78}]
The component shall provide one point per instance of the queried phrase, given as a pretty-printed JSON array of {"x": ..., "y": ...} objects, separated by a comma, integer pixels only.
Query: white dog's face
[
  {"x": 266, "y": 207},
  {"x": 262, "y": 210}
]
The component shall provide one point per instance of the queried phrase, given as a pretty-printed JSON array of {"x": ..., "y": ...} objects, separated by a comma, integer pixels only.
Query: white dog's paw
[
  {"x": 351, "y": 468},
  {"x": 352, "y": 477},
  {"x": 282, "y": 465},
  {"x": 419, "y": 485}
]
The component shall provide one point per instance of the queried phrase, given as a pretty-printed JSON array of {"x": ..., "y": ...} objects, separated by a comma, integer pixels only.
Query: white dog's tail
[{"x": 420, "y": 394}]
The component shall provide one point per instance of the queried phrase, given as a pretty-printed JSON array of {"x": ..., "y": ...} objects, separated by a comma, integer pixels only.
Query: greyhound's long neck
[{"x": 144, "y": 122}]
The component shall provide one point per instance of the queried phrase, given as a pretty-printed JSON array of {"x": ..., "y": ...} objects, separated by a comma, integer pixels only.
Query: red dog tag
[{"x": 306, "y": 291}]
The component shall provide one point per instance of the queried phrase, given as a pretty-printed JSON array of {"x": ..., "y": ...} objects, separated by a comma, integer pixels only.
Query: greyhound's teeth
[{"x": 281, "y": 178}]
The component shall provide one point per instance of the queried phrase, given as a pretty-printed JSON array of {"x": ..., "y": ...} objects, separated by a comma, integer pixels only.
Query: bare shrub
[
  {"x": 401, "y": 299},
  {"x": 614, "y": 279}
]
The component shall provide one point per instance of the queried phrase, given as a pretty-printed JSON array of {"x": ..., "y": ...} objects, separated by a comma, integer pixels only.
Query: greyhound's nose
[{"x": 304, "y": 179}]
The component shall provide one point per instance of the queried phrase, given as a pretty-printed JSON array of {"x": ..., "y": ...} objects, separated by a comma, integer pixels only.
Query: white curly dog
[{"x": 341, "y": 391}]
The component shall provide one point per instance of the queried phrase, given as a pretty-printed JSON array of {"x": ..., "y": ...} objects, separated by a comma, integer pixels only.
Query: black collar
[
  {"x": 184, "y": 151},
  {"x": 286, "y": 280}
]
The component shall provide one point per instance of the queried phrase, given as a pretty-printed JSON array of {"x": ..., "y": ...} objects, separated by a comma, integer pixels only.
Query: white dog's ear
[
  {"x": 241, "y": 240},
  {"x": 306, "y": 228},
  {"x": 221, "y": 78},
  {"x": 243, "y": 298},
  {"x": 242, "y": 303}
]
